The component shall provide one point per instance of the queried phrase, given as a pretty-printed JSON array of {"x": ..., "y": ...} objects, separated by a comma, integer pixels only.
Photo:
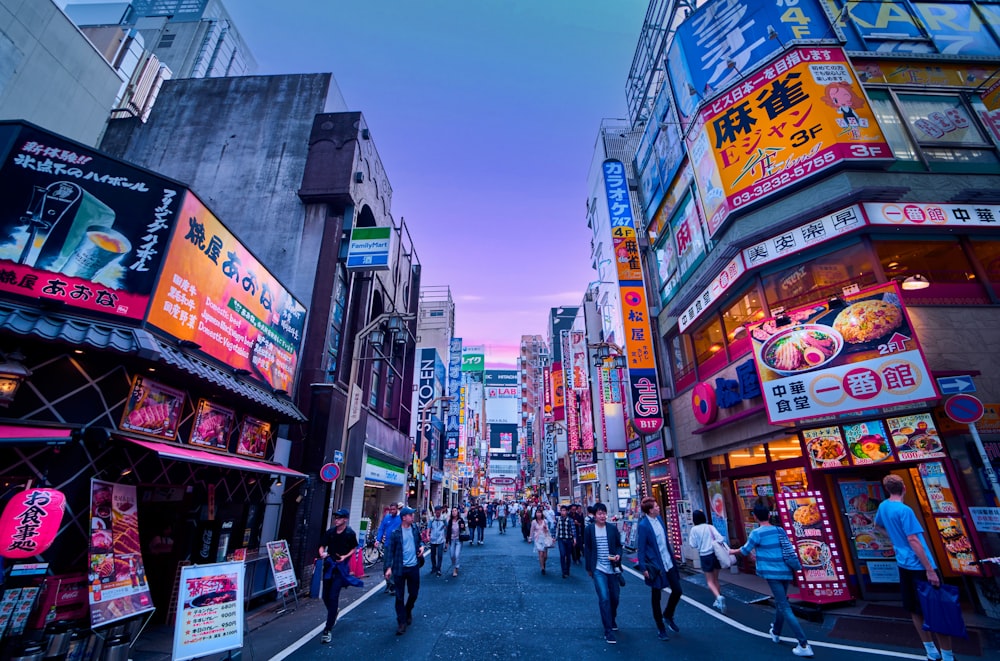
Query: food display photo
[
  {"x": 861, "y": 501},
  {"x": 254, "y": 436},
  {"x": 153, "y": 409},
  {"x": 915, "y": 437},
  {"x": 826, "y": 447},
  {"x": 957, "y": 546},
  {"x": 868, "y": 443},
  {"x": 210, "y": 591},
  {"x": 212, "y": 425},
  {"x": 809, "y": 534}
]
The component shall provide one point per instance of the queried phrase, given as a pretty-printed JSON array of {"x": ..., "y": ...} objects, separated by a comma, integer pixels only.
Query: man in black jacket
[
  {"x": 338, "y": 545},
  {"x": 602, "y": 551},
  {"x": 403, "y": 567}
]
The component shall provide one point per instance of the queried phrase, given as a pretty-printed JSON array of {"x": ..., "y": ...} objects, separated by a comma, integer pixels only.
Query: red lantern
[{"x": 30, "y": 521}]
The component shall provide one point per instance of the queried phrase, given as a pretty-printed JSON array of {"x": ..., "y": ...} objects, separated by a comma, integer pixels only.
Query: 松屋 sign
[{"x": 370, "y": 249}]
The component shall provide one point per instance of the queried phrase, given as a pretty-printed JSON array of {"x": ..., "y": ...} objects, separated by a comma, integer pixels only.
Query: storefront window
[
  {"x": 709, "y": 346},
  {"x": 988, "y": 254},
  {"x": 681, "y": 361},
  {"x": 942, "y": 263},
  {"x": 892, "y": 126},
  {"x": 791, "y": 480},
  {"x": 750, "y": 456},
  {"x": 820, "y": 279},
  {"x": 946, "y": 129},
  {"x": 748, "y": 307},
  {"x": 376, "y": 383},
  {"x": 786, "y": 448}
]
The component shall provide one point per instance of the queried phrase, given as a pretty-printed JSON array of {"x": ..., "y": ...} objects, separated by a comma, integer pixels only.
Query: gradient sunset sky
[{"x": 485, "y": 114}]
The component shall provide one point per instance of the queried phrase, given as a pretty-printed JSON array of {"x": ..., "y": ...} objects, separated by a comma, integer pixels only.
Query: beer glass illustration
[
  {"x": 47, "y": 207},
  {"x": 97, "y": 247}
]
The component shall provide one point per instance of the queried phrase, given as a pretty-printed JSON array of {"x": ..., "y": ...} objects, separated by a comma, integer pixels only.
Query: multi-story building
[
  {"x": 845, "y": 194},
  {"x": 532, "y": 362}
]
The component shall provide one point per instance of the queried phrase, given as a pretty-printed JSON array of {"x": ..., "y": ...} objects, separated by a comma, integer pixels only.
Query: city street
[{"x": 501, "y": 606}]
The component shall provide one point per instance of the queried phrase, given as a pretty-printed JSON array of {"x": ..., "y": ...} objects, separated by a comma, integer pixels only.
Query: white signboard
[
  {"x": 370, "y": 249},
  {"x": 380, "y": 471},
  {"x": 734, "y": 269},
  {"x": 933, "y": 215},
  {"x": 880, "y": 571},
  {"x": 209, "y": 610},
  {"x": 804, "y": 237},
  {"x": 503, "y": 411},
  {"x": 986, "y": 519},
  {"x": 281, "y": 566}
]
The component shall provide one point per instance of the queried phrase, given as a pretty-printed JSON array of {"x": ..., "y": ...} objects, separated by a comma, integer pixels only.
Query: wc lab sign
[{"x": 370, "y": 249}]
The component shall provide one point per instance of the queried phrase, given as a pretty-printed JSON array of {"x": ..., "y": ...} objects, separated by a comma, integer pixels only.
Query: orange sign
[
  {"x": 214, "y": 292},
  {"x": 626, "y": 254}
]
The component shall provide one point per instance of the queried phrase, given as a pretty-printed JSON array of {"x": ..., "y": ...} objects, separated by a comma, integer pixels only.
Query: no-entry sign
[
  {"x": 965, "y": 409},
  {"x": 329, "y": 472}
]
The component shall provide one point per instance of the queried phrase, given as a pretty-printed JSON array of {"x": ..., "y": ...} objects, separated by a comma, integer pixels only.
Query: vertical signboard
[
  {"x": 646, "y": 407},
  {"x": 428, "y": 367},
  {"x": 804, "y": 516},
  {"x": 453, "y": 422}
]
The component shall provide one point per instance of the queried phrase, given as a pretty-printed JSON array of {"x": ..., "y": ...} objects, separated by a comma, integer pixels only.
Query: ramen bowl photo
[{"x": 801, "y": 349}]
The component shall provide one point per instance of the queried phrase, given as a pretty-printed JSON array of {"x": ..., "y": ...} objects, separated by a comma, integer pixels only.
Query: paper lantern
[{"x": 30, "y": 521}]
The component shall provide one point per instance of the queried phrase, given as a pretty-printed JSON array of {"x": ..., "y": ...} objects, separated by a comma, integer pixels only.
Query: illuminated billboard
[{"x": 215, "y": 293}]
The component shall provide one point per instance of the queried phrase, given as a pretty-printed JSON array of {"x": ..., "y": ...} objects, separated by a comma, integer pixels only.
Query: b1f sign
[{"x": 370, "y": 249}]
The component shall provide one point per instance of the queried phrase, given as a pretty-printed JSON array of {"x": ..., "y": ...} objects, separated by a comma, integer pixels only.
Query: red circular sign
[
  {"x": 964, "y": 409},
  {"x": 329, "y": 472},
  {"x": 704, "y": 404}
]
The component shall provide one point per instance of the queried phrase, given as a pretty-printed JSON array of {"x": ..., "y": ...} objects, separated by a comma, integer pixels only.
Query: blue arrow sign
[{"x": 953, "y": 385}]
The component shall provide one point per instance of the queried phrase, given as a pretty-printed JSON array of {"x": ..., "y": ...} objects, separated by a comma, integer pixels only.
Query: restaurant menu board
[
  {"x": 209, "y": 610},
  {"x": 915, "y": 437},
  {"x": 254, "y": 435},
  {"x": 957, "y": 545},
  {"x": 826, "y": 447},
  {"x": 805, "y": 517},
  {"x": 937, "y": 497},
  {"x": 868, "y": 443},
  {"x": 153, "y": 409},
  {"x": 212, "y": 424},
  {"x": 116, "y": 575},
  {"x": 834, "y": 360},
  {"x": 861, "y": 500},
  {"x": 936, "y": 488},
  {"x": 717, "y": 504},
  {"x": 281, "y": 566},
  {"x": 750, "y": 491}
]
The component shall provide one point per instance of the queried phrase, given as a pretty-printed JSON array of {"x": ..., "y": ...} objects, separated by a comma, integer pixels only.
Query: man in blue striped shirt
[{"x": 602, "y": 550}]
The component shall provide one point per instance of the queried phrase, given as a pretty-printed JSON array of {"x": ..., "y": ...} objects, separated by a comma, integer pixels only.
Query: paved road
[{"x": 500, "y": 606}]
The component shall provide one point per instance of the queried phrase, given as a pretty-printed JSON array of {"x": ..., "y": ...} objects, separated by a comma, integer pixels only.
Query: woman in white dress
[
  {"x": 541, "y": 536},
  {"x": 703, "y": 538}
]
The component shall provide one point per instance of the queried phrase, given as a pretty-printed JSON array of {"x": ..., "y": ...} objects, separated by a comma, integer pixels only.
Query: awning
[
  {"x": 19, "y": 434},
  {"x": 181, "y": 453}
]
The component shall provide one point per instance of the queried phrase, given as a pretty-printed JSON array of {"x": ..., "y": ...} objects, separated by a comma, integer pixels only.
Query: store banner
[
  {"x": 215, "y": 293},
  {"x": 212, "y": 425},
  {"x": 81, "y": 228},
  {"x": 932, "y": 215},
  {"x": 474, "y": 358},
  {"x": 807, "y": 520},
  {"x": 586, "y": 420},
  {"x": 209, "y": 610},
  {"x": 117, "y": 577},
  {"x": 281, "y": 566},
  {"x": 730, "y": 274},
  {"x": 828, "y": 361},
  {"x": 153, "y": 409},
  {"x": 453, "y": 417},
  {"x": 579, "y": 369},
  {"x": 586, "y": 473},
  {"x": 558, "y": 392},
  {"x": 572, "y": 421},
  {"x": 804, "y": 237}
]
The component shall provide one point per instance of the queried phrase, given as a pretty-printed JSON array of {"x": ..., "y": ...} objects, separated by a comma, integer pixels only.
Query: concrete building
[
  {"x": 532, "y": 361},
  {"x": 50, "y": 74}
]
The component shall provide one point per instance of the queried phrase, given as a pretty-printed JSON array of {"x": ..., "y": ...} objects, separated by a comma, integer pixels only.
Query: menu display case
[{"x": 949, "y": 534}]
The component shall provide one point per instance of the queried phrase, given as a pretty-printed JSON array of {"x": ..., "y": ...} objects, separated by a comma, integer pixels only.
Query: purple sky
[{"x": 485, "y": 114}]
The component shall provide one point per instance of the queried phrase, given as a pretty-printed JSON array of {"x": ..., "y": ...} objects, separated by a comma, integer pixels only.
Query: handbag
[
  {"x": 464, "y": 537},
  {"x": 942, "y": 612},
  {"x": 617, "y": 567},
  {"x": 657, "y": 579},
  {"x": 721, "y": 550},
  {"x": 316, "y": 584},
  {"x": 788, "y": 553}
]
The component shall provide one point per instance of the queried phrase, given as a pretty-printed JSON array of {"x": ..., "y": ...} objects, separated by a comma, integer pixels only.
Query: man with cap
[
  {"x": 403, "y": 555},
  {"x": 339, "y": 543},
  {"x": 437, "y": 539},
  {"x": 390, "y": 522}
]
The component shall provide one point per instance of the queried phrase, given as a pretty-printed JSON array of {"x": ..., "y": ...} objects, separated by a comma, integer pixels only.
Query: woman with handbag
[
  {"x": 703, "y": 538},
  {"x": 776, "y": 563},
  {"x": 454, "y": 534},
  {"x": 541, "y": 537}
]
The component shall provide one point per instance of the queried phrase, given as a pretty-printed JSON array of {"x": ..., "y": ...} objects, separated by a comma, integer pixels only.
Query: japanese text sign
[
  {"x": 830, "y": 361},
  {"x": 803, "y": 237},
  {"x": 80, "y": 228},
  {"x": 933, "y": 215},
  {"x": 215, "y": 293},
  {"x": 29, "y": 522},
  {"x": 722, "y": 282},
  {"x": 209, "y": 610}
]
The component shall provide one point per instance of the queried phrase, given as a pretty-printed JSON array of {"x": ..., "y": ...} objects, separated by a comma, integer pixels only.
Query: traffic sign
[
  {"x": 953, "y": 385},
  {"x": 965, "y": 409},
  {"x": 329, "y": 472},
  {"x": 338, "y": 457}
]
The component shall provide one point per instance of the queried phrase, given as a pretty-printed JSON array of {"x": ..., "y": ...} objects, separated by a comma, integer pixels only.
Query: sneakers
[
  {"x": 662, "y": 634},
  {"x": 614, "y": 625},
  {"x": 800, "y": 650},
  {"x": 775, "y": 637},
  {"x": 610, "y": 639},
  {"x": 326, "y": 637},
  {"x": 671, "y": 624},
  {"x": 719, "y": 604}
]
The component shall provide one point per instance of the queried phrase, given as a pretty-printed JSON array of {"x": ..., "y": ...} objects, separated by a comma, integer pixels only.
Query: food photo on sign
[
  {"x": 826, "y": 447},
  {"x": 212, "y": 424},
  {"x": 254, "y": 436},
  {"x": 153, "y": 409},
  {"x": 868, "y": 443},
  {"x": 915, "y": 437},
  {"x": 810, "y": 538}
]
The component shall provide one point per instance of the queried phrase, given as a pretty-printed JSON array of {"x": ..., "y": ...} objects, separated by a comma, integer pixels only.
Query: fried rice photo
[{"x": 865, "y": 321}]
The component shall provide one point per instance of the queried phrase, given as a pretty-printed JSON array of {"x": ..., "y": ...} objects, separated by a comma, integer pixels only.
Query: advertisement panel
[
  {"x": 503, "y": 410},
  {"x": 453, "y": 420},
  {"x": 215, "y": 293},
  {"x": 586, "y": 473},
  {"x": 586, "y": 420},
  {"x": 430, "y": 380},
  {"x": 209, "y": 610},
  {"x": 933, "y": 215},
  {"x": 81, "y": 228},
  {"x": 474, "y": 358},
  {"x": 117, "y": 578},
  {"x": 800, "y": 115},
  {"x": 254, "y": 437},
  {"x": 501, "y": 378},
  {"x": 834, "y": 360},
  {"x": 558, "y": 391},
  {"x": 212, "y": 425},
  {"x": 153, "y": 409},
  {"x": 572, "y": 421},
  {"x": 281, "y": 566},
  {"x": 805, "y": 518},
  {"x": 578, "y": 353},
  {"x": 503, "y": 442}
]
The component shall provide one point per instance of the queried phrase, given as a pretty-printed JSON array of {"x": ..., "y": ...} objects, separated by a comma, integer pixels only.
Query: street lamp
[{"x": 423, "y": 447}]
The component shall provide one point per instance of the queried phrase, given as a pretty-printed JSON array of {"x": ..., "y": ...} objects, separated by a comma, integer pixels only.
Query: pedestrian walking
[
  {"x": 404, "y": 553},
  {"x": 339, "y": 543},
  {"x": 656, "y": 562},
  {"x": 576, "y": 514},
  {"x": 490, "y": 511},
  {"x": 477, "y": 523},
  {"x": 541, "y": 537},
  {"x": 602, "y": 551},
  {"x": 390, "y": 522},
  {"x": 526, "y": 520},
  {"x": 766, "y": 541},
  {"x": 454, "y": 531},
  {"x": 502, "y": 517},
  {"x": 437, "y": 539},
  {"x": 915, "y": 560},
  {"x": 566, "y": 538},
  {"x": 703, "y": 538}
]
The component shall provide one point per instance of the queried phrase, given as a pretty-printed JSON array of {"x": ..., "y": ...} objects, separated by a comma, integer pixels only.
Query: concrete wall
[{"x": 50, "y": 74}]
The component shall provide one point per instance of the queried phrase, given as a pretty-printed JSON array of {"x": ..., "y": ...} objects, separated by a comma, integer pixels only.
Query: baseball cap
[
  {"x": 407, "y": 510},
  {"x": 342, "y": 513}
]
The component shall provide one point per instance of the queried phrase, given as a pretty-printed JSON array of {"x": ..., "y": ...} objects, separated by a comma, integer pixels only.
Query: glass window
[
  {"x": 681, "y": 361},
  {"x": 750, "y": 456},
  {"x": 820, "y": 279},
  {"x": 940, "y": 120},
  {"x": 786, "y": 448},
  {"x": 892, "y": 126},
  {"x": 791, "y": 480},
  {"x": 942, "y": 263},
  {"x": 708, "y": 341},
  {"x": 988, "y": 254},
  {"x": 747, "y": 308},
  {"x": 376, "y": 384}
]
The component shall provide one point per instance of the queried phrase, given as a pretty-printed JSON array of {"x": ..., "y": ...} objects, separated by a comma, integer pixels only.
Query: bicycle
[{"x": 372, "y": 554}]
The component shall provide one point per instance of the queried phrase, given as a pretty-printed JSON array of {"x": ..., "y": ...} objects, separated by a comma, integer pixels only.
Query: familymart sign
[{"x": 370, "y": 249}]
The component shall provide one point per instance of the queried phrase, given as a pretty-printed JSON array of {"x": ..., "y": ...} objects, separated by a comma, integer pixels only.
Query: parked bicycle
[{"x": 372, "y": 554}]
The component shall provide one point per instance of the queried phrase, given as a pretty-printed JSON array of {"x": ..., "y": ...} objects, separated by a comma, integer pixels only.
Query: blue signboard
[{"x": 454, "y": 391}]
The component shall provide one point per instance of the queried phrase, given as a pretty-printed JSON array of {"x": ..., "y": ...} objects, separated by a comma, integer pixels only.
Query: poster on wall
[
  {"x": 826, "y": 447},
  {"x": 215, "y": 293},
  {"x": 806, "y": 519},
  {"x": 861, "y": 501},
  {"x": 717, "y": 508},
  {"x": 117, "y": 577},
  {"x": 153, "y": 409},
  {"x": 957, "y": 547},
  {"x": 281, "y": 566},
  {"x": 915, "y": 437},
  {"x": 81, "y": 228},
  {"x": 254, "y": 436},
  {"x": 209, "y": 610},
  {"x": 212, "y": 424},
  {"x": 868, "y": 443}
]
